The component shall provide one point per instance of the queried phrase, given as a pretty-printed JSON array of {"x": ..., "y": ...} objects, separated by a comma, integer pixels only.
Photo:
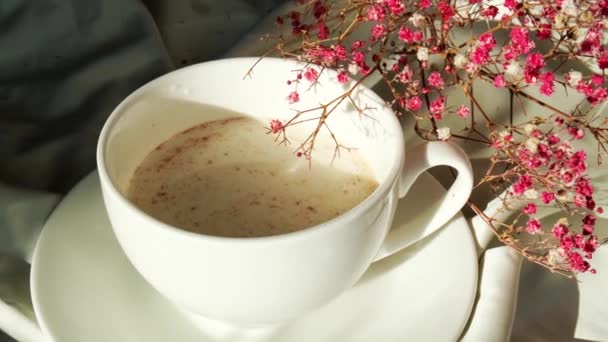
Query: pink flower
[
  {"x": 547, "y": 87},
  {"x": 597, "y": 95},
  {"x": 397, "y": 7},
  {"x": 322, "y": 31},
  {"x": 529, "y": 209},
  {"x": 520, "y": 43},
  {"x": 580, "y": 200},
  {"x": 583, "y": 187},
  {"x": 602, "y": 61},
  {"x": 276, "y": 126},
  {"x": 358, "y": 57},
  {"x": 559, "y": 230},
  {"x": 589, "y": 220},
  {"x": 567, "y": 243},
  {"x": 576, "y": 133},
  {"x": 437, "y": 107},
  {"x": 376, "y": 13},
  {"x": 293, "y": 97},
  {"x": 409, "y": 36},
  {"x": 435, "y": 80},
  {"x": 413, "y": 103},
  {"x": 598, "y": 80},
  {"x": 590, "y": 203},
  {"x": 357, "y": 44},
  {"x": 533, "y": 226},
  {"x": 364, "y": 69},
  {"x": 500, "y": 82},
  {"x": 481, "y": 53},
  {"x": 425, "y": 3},
  {"x": 553, "y": 139},
  {"x": 577, "y": 263},
  {"x": 311, "y": 74},
  {"x": 535, "y": 61},
  {"x": 378, "y": 31},
  {"x": 490, "y": 12},
  {"x": 319, "y": 9},
  {"x": 510, "y": 4},
  {"x": 587, "y": 229},
  {"x": 544, "y": 32},
  {"x": 487, "y": 40},
  {"x": 342, "y": 77},
  {"x": 523, "y": 183},
  {"x": 463, "y": 111},
  {"x": 447, "y": 11},
  {"x": 578, "y": 162},
  {"x": 406, "y": 74},
  {"x": 339, "y": 52},
  {"x": 547, "y": 197},
  {"x": 567, "y": 177},
  {"x": 591, "y": 244}
]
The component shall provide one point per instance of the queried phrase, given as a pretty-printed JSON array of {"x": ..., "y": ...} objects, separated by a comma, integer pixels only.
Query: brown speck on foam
[{"x": 229, "y": 120}]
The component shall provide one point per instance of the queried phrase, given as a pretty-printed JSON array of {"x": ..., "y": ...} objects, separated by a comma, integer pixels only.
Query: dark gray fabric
[{"x": 64, "y": 65}]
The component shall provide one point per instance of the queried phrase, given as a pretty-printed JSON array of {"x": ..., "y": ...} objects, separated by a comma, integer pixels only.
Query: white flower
[
  {"x": 460, "y": 61},
  {"x": 392, "y": 59},
  {"x": 536, "y": 9},
  {"x": 555, "y": 257},
  {"x": 514, "y": 72},
  {"x": 560, "y": 21},
  {"x": 530, "y": 128},
  {"x": 422, "y": 54},
  {"x": 573, "y": 78},
  {"x": 353, "y": 69},
  {"x": 532, "y": 144},
  {"x": 443, "y": 133},
  {"x": 531, "y": 194},
  {"x": 418, "y": 20},
  {"x": 569, "y": 8}
]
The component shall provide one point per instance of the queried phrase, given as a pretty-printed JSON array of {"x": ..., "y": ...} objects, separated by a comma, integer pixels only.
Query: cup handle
[{"x": 417, "y": 160}]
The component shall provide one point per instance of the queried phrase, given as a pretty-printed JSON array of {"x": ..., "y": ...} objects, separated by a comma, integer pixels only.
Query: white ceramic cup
[{"x": 266, "y": 280}]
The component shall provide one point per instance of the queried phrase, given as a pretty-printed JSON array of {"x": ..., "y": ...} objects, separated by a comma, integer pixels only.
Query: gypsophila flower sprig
[{"x": 421, "y": 50}]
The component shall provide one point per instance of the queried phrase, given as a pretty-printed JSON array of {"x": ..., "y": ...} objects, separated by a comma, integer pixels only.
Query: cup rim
[{"x": 377, "y": 195}]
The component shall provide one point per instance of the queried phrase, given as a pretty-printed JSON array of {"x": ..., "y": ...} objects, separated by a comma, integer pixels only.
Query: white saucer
[{"x": 84, "y": 288}]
